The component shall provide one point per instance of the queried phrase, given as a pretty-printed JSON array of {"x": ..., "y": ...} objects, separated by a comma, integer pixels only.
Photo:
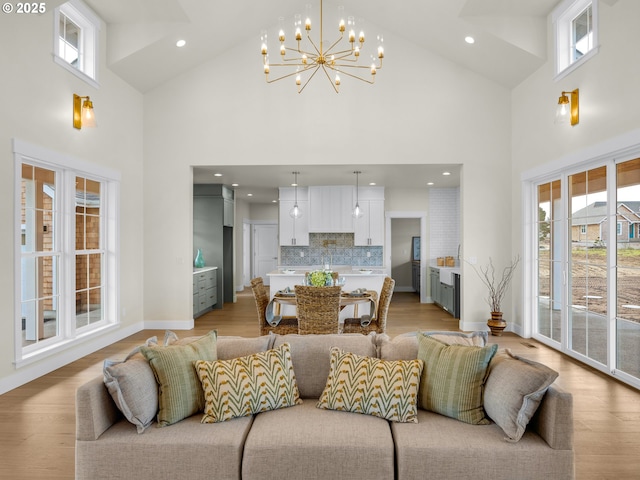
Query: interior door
[{"x": 265, "y": 250}]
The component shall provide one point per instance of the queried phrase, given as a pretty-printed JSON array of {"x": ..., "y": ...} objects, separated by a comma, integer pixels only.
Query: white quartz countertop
[
  {"x": 343, "y": 271},
  {"x": 446, "y": 273},
  {"x": 203, "y": 269}
]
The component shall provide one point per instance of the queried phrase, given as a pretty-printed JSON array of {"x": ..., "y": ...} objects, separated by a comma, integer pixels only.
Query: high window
[
  {"x": 66, "y": 262},
  {"x": 76, "y": 29},
  {"x": 576, "y": 34}
]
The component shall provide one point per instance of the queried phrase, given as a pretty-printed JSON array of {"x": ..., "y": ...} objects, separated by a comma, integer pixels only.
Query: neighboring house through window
[{"x": 66, "y": 254}]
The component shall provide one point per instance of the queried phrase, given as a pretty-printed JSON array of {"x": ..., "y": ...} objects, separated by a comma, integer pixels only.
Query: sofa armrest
[
  {"x": 553, "y": 420},
  {"x": 95, "y": 410}
]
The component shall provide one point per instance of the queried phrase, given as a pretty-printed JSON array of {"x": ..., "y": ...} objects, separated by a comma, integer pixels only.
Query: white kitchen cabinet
[
  {"x": 330, "y": 209},
  {"x": 293, "y": 231},
  {"x": 369, "y": 229}
]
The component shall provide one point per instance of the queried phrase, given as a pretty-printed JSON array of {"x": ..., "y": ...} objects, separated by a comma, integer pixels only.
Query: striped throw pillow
[
  {"x": 452, "y": 382},
  {"x": 386, "y": 389},
  {"x": 246, "y": 385},
  {"x": 179, "y": 390}
]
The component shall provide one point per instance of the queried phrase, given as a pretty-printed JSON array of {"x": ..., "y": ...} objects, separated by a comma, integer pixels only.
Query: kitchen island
[{"x": 354, "y": 278}]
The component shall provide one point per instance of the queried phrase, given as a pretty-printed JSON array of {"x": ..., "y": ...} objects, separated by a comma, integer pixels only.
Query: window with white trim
[
  {"x": 75, "y": 43},
  {"x": 66, "y": 255},
  {"x": 576, "y": 34}
]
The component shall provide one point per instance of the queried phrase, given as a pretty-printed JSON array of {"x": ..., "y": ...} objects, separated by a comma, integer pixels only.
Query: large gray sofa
[{"x": 305, "y": 442}]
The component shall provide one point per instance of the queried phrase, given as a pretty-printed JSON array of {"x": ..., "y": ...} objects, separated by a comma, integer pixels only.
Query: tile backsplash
[
  {"x": 444, "y": 222},
  {"x": 342, "y": 252}
]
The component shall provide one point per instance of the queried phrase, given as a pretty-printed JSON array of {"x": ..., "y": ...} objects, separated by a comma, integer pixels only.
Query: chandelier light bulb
[{"x": 334, "y": 57}]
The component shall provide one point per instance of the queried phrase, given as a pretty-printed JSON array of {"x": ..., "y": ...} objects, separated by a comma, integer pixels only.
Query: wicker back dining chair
[
  {"x": 286, "y": 324},
  {"x": 379, "y": 323},
  {"x": 318, "y": 309}
]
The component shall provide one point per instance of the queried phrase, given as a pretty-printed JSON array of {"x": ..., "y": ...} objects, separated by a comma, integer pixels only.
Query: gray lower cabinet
[
  {"x": 446, "y": 297},
  {"x": 205, "y": 292},
  {"x": 443, "y": 294},
  {"x": 434, "y": 277}
]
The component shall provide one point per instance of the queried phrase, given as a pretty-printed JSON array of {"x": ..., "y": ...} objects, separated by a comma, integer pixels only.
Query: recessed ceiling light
[
  {"x": 249, "y": 194},
  {"x": 372, "y": 183},
  {"x": 469, "y": 40},
  {"x": 446, "y": 173},
  {"x": 217, "y": 174},
  {"x": 234, "y": 185},
  {"x": 430, "y": 183},
  {"x": 181, "y": 43},
  {"x": 274, "y": 201}
]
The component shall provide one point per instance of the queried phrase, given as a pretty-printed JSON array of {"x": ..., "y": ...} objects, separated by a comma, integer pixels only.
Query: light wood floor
[{"x": 37, "y": 420}]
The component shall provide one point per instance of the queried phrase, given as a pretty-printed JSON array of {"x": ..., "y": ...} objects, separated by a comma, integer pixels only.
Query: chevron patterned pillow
[
  {"x": 382, "y": 388},
  {"x": 243, "y": 386}
]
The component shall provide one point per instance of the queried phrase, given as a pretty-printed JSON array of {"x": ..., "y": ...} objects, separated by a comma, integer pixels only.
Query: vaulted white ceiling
[{"x": 510, "y": 34}]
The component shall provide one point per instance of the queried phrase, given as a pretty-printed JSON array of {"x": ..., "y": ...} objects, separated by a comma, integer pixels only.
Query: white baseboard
[
  {"x": 29, "y": 373},
  {"x": 472, "y": 326},
  {"x": 169, "y": 324}
]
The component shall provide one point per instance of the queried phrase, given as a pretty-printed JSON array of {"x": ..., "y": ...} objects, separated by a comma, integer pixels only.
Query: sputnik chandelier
[{"x": 307, "y": 58}]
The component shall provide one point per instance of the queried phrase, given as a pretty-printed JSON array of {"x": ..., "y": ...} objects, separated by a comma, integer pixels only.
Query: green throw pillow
[
  {"x": 386, "y": 389},
  {"x": 179, "y": 390},
  {"x": 243, "y": 386},
  {"x": 453, "y": 378}
]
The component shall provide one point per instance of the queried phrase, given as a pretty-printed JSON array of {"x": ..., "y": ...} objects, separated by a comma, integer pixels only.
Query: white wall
[
  {"x": 36, "y": 99},
  {"x": 423, "y": 109},
  {"x": 609, "y": 106}
]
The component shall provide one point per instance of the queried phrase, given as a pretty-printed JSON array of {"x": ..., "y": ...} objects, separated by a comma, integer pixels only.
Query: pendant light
[
  {"x": 295, "y": 212},
  {"x": 357, "y": 211}
]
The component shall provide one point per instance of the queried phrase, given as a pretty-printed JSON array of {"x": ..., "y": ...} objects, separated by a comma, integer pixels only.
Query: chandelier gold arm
[{"x": 309, "y": 60}]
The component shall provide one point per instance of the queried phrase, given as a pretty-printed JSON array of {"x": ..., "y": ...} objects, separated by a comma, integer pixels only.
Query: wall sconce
[
  {"x": 568, "y": 110},
  {"x": 83, "y": 115}
]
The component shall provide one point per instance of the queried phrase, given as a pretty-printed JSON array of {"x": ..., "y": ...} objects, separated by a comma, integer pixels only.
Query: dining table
[{"x": 347, "y": 299}]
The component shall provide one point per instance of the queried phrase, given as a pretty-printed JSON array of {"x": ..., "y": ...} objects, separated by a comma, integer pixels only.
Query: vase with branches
[{"x": 497, "y": 287}]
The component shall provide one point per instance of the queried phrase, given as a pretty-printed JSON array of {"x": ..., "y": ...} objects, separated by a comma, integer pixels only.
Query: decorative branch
[{"x": 497, "y": 289}]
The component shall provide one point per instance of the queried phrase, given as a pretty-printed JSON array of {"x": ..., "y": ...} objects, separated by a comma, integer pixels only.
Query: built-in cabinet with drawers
[{"x": 205, "y": 293}]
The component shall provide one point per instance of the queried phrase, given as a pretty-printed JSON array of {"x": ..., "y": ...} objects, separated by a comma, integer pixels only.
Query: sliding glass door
[
  {"x": 587, "y": 263},
  {"x": 586, "y": 257},
  {"x": 627, "y": 329}
]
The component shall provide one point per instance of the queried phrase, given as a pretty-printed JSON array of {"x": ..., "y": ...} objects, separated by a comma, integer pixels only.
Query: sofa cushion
[
  {"x": 386, "y": 389},
  {"x": 305, "y": 442},
  {"x": 453, "y": 378},
  {"x": 187, "y": 449},
  {"x": 247, "y": 385},
  {"x": 227, "y": 346},
  {"x": 311, "y": 356},
  {"x": 179, "y": 390},
  {"x": 405, "y": 347},
  {"x": 133, "y": 387},
  {"x": 514, "y": 389},
  {"x": 442, "y": 448}
]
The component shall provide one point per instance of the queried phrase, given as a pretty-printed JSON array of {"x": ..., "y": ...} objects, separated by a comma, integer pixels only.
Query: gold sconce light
[
  {"x": 568, "y": 109},
  {"x": 83, "y": 115}
]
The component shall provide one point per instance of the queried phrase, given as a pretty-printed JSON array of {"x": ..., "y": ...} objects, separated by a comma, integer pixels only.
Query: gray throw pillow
[
  {"x": 514, "y": 390},
  {"x": 133, "y": 387}
]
